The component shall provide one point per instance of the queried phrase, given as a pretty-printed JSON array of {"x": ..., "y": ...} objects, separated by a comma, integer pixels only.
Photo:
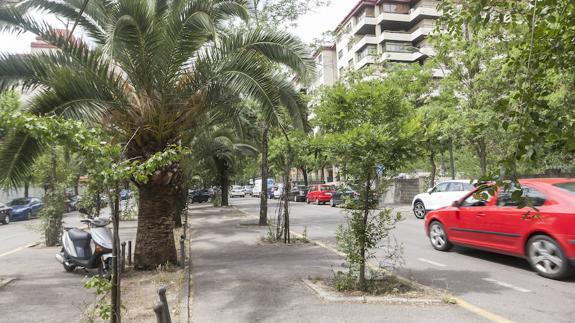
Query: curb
[
  {"x": 5, "y": 283},
  {"x": 332, "y": 297},
  {"x": 458, "y": 301}
]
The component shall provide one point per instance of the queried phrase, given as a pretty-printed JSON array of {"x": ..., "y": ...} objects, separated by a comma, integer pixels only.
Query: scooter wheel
[
  {"x": 105, "y": 269},
  {"x": 69, "y": 268}
]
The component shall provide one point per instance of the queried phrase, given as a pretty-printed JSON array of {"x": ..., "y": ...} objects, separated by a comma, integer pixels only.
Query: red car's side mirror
[{"x": 456, "y": 204}]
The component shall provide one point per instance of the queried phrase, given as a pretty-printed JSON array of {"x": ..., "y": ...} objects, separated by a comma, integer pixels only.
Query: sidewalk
[
  {"x": 41, "y": 290},
  {"x": 237, "y": 279}
]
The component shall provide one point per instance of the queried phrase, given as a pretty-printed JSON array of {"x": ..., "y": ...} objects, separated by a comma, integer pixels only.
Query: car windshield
[
  {"x": 327, "y": 188},
  {"x": 18, "y": 202},
  {"x": 236, "y": 188},
  {"x": 567, "y": 186}
]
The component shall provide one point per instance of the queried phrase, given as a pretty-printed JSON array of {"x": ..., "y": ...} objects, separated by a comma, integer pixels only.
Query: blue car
[{"x": 25, "y": 208}]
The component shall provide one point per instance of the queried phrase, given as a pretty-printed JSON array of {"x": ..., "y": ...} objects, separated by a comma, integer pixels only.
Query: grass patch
[{"x": 377, "y": 284}]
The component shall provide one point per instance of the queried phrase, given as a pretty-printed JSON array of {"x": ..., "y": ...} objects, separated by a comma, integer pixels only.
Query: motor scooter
[{"x": 88, "y": 250}]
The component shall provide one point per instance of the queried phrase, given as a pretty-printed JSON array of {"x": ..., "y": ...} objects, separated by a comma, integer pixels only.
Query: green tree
[
  {"x": 537, "y": 46},
  {"x": 151, "y": 77},
  {"x": 367, "y": 124}
]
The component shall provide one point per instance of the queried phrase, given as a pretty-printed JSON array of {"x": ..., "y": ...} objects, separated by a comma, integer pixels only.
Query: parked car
[
  {"x": 278, "y": 191},
  {"x": 72, "y": 203},
  {"x": 125, "y": 194},
  {"x": 320, "y": 194},
  {"x": 496, "y": 224},
  {"x": 340, "y": 195},
  {"x": 249, "y": 190},
  {"x": 258, "y": 187},
  {"x": 25, "y": 208},
  {"x": 298, "y": 193},
  {"x": 200, "y": 196},
  {"x": 237, "y": 191},
  {"x": 443, "y": 194},
  {"x": 5, "y": 214}
]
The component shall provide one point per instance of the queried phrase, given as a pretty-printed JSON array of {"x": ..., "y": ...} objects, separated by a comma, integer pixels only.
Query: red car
[
  {"x": 320, "y": 194},
  {"x": 496, "y": 224}
]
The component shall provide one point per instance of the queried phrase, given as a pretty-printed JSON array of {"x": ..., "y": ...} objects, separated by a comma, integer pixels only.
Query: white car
[
  {"x": 237, "y": 191},
  {"x": 443, "y": 194},
  {"x": 278, "y": 191}
]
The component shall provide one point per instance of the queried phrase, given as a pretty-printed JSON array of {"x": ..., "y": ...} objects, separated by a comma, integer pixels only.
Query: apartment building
[{"x": 389, "y": 30}]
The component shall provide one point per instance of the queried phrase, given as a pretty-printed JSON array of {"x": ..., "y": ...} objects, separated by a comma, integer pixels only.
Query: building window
[
  {"x": 395, "y": 7},
  {"x": 350, "y": 62},
  {"x": 370, "y": 50},
  {"x": 340, "y": 54},
  {"x": 398, "y": 47}
]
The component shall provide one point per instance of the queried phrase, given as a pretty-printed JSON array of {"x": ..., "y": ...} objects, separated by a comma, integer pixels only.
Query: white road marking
[
  {"x": 504, "y": 284},
  {"x": 431, "y": 262}
]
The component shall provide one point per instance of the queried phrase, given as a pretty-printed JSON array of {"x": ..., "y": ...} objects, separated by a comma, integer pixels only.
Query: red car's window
[
  {"x": 567, "y": 186},
  {"x": 534, "y": 197}
]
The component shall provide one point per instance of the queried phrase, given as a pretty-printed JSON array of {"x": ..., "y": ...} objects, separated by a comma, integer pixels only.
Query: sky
[{"x": 308, "y": 27}]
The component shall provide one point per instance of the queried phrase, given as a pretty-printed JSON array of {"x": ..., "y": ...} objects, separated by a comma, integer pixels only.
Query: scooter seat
[{"x": 77, "y": 234}]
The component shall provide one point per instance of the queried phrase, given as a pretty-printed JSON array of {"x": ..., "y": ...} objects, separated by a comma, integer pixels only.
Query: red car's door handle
[{"x": 480, "y": 214}]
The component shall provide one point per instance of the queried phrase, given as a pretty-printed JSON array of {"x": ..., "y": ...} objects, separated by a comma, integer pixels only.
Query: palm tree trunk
[
  {"x": 264, "y": 169},
  {"x": 179, "y": 206},
  {"x": 155, "y": 239},
  {"x": 26, "y": 188},
  {"x": 224, "y": 186}
]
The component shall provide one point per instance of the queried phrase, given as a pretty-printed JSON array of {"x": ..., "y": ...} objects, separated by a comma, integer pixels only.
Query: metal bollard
[
  {"x": 158, "y": 309},
  {"x": 129, "y": 252},
  {"x": 165, "y": 310},
  {"x": 123, "y": 256},
  {"x": 182, "y": 252}
]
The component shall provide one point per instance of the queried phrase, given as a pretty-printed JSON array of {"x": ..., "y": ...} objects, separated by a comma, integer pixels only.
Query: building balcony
[
  {"x": 364, "y": 26},
  {"x": 404, "y": 21},
  {"x": 414, "y": 36},
  {"x": 403, "y": 56},
  {"x": 364, "y": 41},
  {"x": 364, "y": 61}
]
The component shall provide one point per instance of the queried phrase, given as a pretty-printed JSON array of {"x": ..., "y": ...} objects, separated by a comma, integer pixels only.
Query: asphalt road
[{"x": 503, "y": 285}]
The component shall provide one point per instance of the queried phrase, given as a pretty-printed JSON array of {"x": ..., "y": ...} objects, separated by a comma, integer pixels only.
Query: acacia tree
[
  {"x": 538, "y": 44},
  {"x": 149, "y": 79},
  {"x": 367, "y": 124}
]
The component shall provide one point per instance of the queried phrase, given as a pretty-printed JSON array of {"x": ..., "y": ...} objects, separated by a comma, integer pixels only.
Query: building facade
[
  {"x": 374, "y": 31},
  {"x": 385, "y": 30}
]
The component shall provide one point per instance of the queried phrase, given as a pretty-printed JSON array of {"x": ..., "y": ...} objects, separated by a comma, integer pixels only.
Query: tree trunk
[
  {"x": 304, "y": 174},
  {"x": 323, "y": 174},
  {"x": 76, "y": 184},
  {"x": 364, "y": 231},
  {"x": 482, "y": 154},
  {"x": 433, "y": 168},
  {"x": 451, "y": 160},
  {"x": 264, "y": 172},
  {"x": 155, "y": 238},
  {"x": 285, "y": 194},
  {"x": 116, "y": 299},
  {"x": 224, "y": 185},
  {"x": 26, "y": 188},
  {"x": 179, "y": 206}
]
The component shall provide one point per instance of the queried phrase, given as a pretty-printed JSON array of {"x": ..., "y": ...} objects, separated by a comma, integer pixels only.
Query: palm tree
[
  {"x": 151, "y": 76},
  {"x": 217, "y": 150}
]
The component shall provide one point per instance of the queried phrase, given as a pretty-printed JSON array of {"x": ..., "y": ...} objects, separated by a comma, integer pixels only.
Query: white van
[{"x": 258, "y": 187}]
